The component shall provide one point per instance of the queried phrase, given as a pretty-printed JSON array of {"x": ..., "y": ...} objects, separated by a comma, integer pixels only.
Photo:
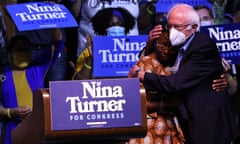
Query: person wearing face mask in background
[
  {"x": 206, "y": 16},
  {"x": 117, "y": 22},
  {"x": 210, "y": 116},
  {"x": 40, "y": 40},
  {"x": 107, "y": 22},
  {"x": 87, "y": 9},
  {"x": 116, "y": 26},
  {"x": 206, "y": 19},
  {"x": 22, "y": 77}
]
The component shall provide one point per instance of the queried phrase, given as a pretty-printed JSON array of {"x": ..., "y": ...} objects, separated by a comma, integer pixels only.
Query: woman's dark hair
[
  {"x": 100, "y": 21},
  {"x": 150, "y": 48}
]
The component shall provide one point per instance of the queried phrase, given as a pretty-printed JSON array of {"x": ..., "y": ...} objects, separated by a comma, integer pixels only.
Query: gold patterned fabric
[
  {"x": 149, "y": 64},
  {"x": 163, "y": 127}
]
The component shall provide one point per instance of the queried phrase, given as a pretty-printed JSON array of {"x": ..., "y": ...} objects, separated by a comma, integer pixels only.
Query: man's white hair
[{"x": 189, "y": 13}]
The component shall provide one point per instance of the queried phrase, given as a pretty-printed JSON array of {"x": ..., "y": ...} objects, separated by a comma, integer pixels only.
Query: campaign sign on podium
[
  {"x": 114, "y": 56},
  {"x": 40, "y": 15},
  {"x": 95, "y": 104}
]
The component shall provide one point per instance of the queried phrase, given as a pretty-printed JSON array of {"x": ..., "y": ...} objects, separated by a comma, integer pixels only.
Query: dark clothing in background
[{"x": 40, "y": 40}]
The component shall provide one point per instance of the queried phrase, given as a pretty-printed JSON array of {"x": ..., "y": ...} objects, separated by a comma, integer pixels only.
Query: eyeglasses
[{"x": 176, "y": 26}]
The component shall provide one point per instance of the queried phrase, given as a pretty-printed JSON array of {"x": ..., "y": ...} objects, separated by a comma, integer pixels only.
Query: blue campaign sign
[
  {"x": 40, "y": 15},
  {"x": 114, "y": 56},
  {"x": 165, "y": 5},
  {"x": 227, "y": 38},
  {"x": 91, "y": 104}
]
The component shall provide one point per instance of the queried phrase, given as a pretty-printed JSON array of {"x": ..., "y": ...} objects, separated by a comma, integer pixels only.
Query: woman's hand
[
  {"x": 21, "y": 112},
  {"x": 226, "y": 82},
  {"x": 155, "y": 33},
  {"x": 132, "y": 73},
  {"x": 220, "y": 84}
]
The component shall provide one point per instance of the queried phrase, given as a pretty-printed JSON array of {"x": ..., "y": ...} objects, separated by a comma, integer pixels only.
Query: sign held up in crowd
[
  {"x": 227, "y": 40},
  {"x": 40, "y": 15}
]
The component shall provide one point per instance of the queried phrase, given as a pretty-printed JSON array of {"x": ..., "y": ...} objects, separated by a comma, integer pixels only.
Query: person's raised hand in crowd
[{"x": 83, "y": 67}]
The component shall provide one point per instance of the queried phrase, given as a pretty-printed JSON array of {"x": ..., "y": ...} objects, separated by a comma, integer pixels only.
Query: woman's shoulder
[{"x": 150, "y": 64}]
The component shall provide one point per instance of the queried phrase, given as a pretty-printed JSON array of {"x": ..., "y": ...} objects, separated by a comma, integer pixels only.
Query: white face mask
[
  {"x": 205, "y": 23},
  {"x": 177, "y": 37},
  {"x": 116, "y": 31}
]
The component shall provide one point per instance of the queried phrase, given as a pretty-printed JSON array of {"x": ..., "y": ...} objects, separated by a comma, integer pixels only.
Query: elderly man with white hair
[{"x": 210, "y": 116}]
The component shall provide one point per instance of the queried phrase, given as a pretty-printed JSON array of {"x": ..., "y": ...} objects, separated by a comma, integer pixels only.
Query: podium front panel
[
  {"x": 98, "y": 107},
  {"x": 83, "y": 111}
]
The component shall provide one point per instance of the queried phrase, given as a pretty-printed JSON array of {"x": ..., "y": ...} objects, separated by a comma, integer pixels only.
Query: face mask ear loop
[{"x": 189, "y": 27}]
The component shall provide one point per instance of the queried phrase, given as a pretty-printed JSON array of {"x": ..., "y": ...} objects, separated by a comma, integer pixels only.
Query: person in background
[
  {"x": 218, "y": 10},
  {"x": 10, "y": 28},
  {"x": 86, "y": 10},
  {"x": 3, "y": 36},
  {"x": 71, "y": 39},
  {"x": 223, "y": 10},
  {"x": 206, "y": 19},
  {"x": 3, "y": 57},
  {"x": 22, "y": 77},
  {"x": 236, "y": 18},
  {"x": 147, "y": 16},
  {"x": 210, "y": 115},
  {"x": 117, "y": 22},
  {"x": 236, "y": 98},
  {"x": 41, "y": 40},
  {"x": 206, "y": 16}
]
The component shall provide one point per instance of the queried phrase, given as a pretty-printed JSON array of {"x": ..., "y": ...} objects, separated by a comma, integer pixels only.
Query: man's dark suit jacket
[{"x": 209, "y": 112}]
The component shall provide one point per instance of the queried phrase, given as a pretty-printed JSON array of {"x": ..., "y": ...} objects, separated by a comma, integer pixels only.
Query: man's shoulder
[
  {"x": 201, "y": 38},
  {"x": 202, "y": 34},
  {"x": 202, "y": 42}
]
